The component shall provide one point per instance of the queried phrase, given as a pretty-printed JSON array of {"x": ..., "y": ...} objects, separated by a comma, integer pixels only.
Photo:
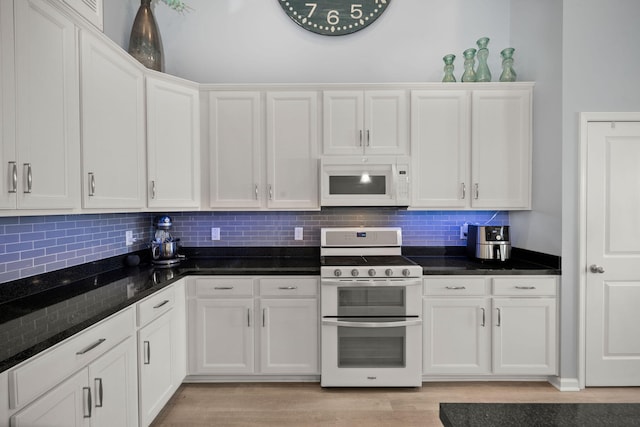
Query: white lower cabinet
[
  {"x": 231, "y": 317},
  {"x": 490, "y": 325}
]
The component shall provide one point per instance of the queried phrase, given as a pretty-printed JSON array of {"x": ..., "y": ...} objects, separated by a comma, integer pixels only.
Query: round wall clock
[{"x": 334, "y": 17}]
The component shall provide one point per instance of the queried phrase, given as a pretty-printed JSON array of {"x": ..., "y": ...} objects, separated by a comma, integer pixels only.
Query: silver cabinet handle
[
  {"x": 161, "y": 304},
  {"x": 464, "y": 191},
  {"x": 456, "y": 288},
  {"x": 13, "y": 167},
  {"x": 360, "y": 137},
  {"x": 288, "y": 288},
  {"x": 153, "y": 189},
  {"x": 147, "y": 352},
  {"x": 372, "y": 325},
  {"x": 525, "y": 287},
  {"x": 91, "y": 347},
  {"x": 92, "y": 184},
  {"x": 264, "y": 315},
  {"x": 368, "y": 138},
  {"x": 223, "y": 288},
  {"x": 270, "y": 192},
  {"x": 27, "y": 167},
  {"x": 97, "y": 382},
  {"x": 499, "y": 317},
  {"x": 598, "y": 269},
  {"x": 248, "y": 317},
  {"x": 483, "y": 317},
  {"x": 256, "y": 191},
  {"x": 477, "y": 190},
  {"x": 86, "y": 395}
]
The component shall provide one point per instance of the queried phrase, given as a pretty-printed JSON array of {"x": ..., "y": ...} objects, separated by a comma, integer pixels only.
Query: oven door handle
[
  {"x": 330, "y": 322},
  {"x": 370, "y": 283}
]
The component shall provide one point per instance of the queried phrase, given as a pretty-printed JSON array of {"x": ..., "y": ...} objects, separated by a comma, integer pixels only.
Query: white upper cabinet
[
  {"x": 173, "y": 144},
  {"x": 235, "y": 150},
  {"x": 91, "y": 10},
  {"x": 263, "y": 156},
  {"x": 365, "y": 122},
  {"x": 40, "y": 111},
  {"x": 113, "y": 126},
  {"x": 501, "y": 149},
  {"x": 440, "y": 148},
  {"x": 471, "y": 149},
  {"x": 292, "y": 150}
]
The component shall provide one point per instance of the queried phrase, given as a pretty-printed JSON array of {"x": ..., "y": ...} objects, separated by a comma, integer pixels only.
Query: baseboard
[
  {"x": 565, "y": 384},
  {"x": 251, "y": 378}
]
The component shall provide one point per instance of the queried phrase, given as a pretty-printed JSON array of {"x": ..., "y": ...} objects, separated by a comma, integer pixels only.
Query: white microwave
[{"x": 365, "y": 181}]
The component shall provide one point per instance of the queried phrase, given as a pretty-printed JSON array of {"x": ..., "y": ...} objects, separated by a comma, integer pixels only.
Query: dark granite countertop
[
  {"x": 539, "y": 414},
  {"x": 40, "y": 311}
]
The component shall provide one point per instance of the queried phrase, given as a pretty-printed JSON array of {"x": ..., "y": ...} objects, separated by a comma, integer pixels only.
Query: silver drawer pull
[
  {"x": 27, "y": 167},
  {"x": 456, "y": 288},
  {"x": 86, "y": 395},
  {"x": 14, "y": 177},
  {"x": 525, "y": 287},
  {"x": 146, "y": 352},
  {"x": 288, "y": 288},
  {"x": 99, "y": 392},
  {"x": 223, "y": 288},
  {"x": 91, "y": 346},
  {"x": 161, "y": 304}
]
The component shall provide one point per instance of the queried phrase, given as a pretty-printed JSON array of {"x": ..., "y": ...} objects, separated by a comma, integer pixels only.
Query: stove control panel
[{"x": 409, "y": 271}]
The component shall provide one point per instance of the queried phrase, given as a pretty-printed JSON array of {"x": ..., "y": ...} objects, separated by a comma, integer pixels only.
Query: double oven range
[{"x": 371, "y": 309}]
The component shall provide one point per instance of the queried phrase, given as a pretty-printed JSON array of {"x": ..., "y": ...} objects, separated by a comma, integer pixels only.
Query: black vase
[{"x": 145, "y": 44}]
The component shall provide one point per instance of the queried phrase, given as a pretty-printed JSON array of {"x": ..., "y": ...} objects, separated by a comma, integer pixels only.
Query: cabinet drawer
[
  {"x": 288, "y": 287},
  {"x": 456, "y": 286},
  {"x": 207, "y": 288},
  {"x": 155, "y": 305},
  {"x": 43, "y": 372},
  {"x": 522, "y": 286}
]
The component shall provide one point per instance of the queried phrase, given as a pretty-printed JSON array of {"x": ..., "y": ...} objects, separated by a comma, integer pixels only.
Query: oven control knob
[
  {"x": 388, "y": 272},
  {"x": 372, "y": 272},
  {"x": 337, "y": 273},
  {"x": 406, "y": 272},
  {"x": 354, "y": 272}
]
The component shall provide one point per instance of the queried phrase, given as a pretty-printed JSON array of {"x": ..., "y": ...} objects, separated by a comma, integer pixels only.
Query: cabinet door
[
  {"x": 501, "y": 149},
  {"x": 224, "y": 336},
  {"x": 440, "y": 148},
  {"x": 173, "y": 144},
  {"x": 113, "y": 127},
  {"x": 155, "y": 366},
  {"x": 292, "y": 150},
  {"x": 289, "y": 336},
  {"x": 8, "y": 160},
  {"x": 114, "y": 380},
  {"x": 386, "y": 122},
  {"x": 456, "y": 336},
  {"x": 343, "y": 122},
  {"x": 235, "y": 150},
  {"x": 525, "y": 336},
  {"x": 47, "y": 107},
  {"x": 67, "y": 405}
]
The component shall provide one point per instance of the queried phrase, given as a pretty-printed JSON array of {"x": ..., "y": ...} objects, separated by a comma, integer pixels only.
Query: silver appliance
[
  {"x": 489, "y": 242},
  {"x": 365, "y": 181},
  {"x": 164, "y": 247},
  {"x": 371, "y": 308}
]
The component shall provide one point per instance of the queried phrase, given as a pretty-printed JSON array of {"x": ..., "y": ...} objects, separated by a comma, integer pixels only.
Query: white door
[
  {"x": 386, "y": 122},
  {"x": 613, "y": 254},
  {"x": 292, "y": 150},
  {"x": 343, "y": 122},
  {"x": 8, "y": 163}
]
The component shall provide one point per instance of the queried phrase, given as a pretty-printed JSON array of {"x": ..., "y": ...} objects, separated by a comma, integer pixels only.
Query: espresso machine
[
  {"x": 164, "y": 247},
  {"x": 489, "y": 242}
]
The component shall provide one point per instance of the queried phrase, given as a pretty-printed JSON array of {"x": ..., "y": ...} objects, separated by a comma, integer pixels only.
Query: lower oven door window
[{"x": 371, "y": 348}]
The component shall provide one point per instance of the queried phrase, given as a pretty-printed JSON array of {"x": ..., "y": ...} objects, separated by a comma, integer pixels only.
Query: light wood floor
[{"x": 307, "y": 404}]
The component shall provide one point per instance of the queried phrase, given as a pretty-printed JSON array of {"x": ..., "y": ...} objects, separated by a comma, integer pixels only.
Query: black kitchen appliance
[
  {"x": 489, "y": 242},
  {"x": 164, "y": 247}
]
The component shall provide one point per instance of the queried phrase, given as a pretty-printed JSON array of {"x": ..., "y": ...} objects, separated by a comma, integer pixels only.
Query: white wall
[{"x": 600, "y": 73}]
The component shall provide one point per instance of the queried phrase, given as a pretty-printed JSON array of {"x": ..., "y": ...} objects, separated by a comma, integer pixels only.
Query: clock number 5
[{"x": 356, "y": 11}]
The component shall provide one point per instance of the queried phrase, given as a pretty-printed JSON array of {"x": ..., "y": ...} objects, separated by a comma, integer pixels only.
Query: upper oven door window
[{"x": 372, "y": 301}]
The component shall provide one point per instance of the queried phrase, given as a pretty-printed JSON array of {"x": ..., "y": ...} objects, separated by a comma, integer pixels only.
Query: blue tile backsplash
[{"x": 38, "y": 244}]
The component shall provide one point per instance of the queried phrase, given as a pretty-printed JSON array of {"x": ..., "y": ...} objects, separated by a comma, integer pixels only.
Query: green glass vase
[
  {"x": 469, "y": 74},
  {"x": 448, "y": 68},
  {"x": 483, "y": 74},
  {"x": 508, "y": 73}
]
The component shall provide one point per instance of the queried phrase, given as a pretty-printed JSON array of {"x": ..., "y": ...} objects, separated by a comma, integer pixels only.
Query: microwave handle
[{"x": 331, "y": 322}]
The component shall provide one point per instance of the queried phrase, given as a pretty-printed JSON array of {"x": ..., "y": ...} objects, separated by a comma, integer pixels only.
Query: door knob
[{"x": 596, "y": 268}]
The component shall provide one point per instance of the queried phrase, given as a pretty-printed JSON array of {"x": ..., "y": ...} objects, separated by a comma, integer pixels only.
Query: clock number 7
[{"x": 313, "y": 7}]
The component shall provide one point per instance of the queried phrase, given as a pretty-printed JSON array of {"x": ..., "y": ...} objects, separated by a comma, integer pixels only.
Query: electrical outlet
[
  {"x": 215, "y": 233},
  {"x": 298, "y": 233},
  {"x": 128, "y": 238},
  {"x": 464, "y": 229}
]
